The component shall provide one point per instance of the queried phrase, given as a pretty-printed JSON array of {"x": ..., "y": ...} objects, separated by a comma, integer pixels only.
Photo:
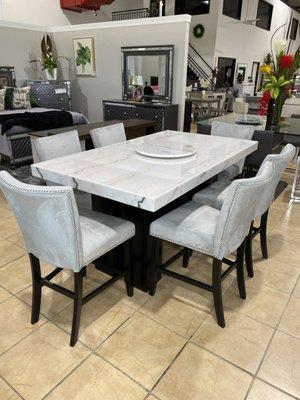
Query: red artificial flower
[
  {"x": 264, "y": 103},
  {"x": 286, "y": 61}
]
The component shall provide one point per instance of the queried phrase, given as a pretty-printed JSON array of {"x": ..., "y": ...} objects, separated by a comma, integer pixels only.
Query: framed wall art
[{"x": 84, "y": 55}]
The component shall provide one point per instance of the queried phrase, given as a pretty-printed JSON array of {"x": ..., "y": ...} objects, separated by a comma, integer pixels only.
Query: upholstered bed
[{"x": 15, "y": 143}]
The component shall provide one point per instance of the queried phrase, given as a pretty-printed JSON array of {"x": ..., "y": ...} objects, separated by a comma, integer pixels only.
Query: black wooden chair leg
[
  {"x": 128, "y": 269},
  {"x": 83, "y": 271},
  {"x": 217, "y": 291},
  {"x": 240, "y": 271},
  {"x": 36, "y": 288},
  {"x": 248, "y": 253},
  {"x": 186, "y": 257},
  {"x": 263, "y": 234},
  {"x": 78, "y": 278}
]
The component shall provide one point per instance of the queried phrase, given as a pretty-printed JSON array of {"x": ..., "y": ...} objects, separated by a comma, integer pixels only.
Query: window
[
  {"x": 233, "y": 8},
  {"x": 264, "y": 15},
  {"x": 192, "y": 7},
  {"x": 294, "y": 29}
]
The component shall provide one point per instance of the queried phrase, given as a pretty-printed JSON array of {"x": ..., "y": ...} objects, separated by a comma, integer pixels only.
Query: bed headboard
[{"x": 7, "y": 77}]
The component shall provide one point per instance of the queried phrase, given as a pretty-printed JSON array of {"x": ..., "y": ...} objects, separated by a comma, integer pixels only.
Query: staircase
[
  {"x": 131, "y": 14},
  {"x": 198, "y": 68}
]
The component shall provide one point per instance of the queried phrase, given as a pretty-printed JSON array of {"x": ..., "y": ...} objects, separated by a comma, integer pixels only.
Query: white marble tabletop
[{"x": 119, "y": 173}]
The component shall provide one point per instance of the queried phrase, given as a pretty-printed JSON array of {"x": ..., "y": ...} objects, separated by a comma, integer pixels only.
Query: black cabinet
[{"x": 164, "y": 115}]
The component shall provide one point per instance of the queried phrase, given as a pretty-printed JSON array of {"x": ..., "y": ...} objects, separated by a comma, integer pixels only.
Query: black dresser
[{"x": 165, "y": 115}]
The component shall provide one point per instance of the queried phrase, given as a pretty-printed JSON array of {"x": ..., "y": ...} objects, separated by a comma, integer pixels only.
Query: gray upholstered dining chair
[
  {"x": 55, "y": 232},
  {"x": 214, "y": 232},
  {"x": 215, "y": 194},
  {"x": 108, "y": 135},
  {"x": 61, "y": 145},
  {"x": 236, "y": 131}
]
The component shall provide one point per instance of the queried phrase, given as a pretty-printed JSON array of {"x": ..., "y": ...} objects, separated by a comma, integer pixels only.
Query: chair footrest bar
[
  {"x": 228, "y": 270},
  {"x": 100, "y": 289},
  {"x": 256, "y": 231},
  {"x": 57, "y": 288},
  {"x": 231, "y": 263},
  {"x": 52, "y": 274},
  {"x": 185, "y": 279},
  {"x": 172, "y": 259}
]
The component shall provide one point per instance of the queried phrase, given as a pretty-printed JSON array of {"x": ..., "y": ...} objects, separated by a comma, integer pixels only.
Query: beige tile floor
[{"x": 168, "y": 347}]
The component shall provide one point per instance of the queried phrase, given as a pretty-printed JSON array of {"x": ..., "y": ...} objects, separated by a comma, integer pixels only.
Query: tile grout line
[
  {"x": 270, "y": 342},
  {"x": 11, "y": 387}
]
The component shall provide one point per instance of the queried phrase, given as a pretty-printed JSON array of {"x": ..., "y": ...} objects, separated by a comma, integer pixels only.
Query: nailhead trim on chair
[{"x": 46, "y": 190}]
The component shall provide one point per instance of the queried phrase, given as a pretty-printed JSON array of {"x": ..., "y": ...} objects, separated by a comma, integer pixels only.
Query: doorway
[
  {"x": 255, "y": 75},
  {"x": 226, "y": 70}
]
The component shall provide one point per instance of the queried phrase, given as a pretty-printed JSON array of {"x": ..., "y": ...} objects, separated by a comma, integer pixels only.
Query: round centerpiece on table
[{"x": 166, "y": 152}]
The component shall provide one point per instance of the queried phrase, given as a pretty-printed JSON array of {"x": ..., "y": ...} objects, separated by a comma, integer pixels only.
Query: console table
[{"x": 165, "y": 115}]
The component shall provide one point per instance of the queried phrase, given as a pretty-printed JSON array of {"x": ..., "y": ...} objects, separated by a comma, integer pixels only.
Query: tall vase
[{"x": 274, "y": 112}]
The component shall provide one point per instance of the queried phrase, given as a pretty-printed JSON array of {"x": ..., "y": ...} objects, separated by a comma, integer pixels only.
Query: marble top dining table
[{"x": 117, "y": 172}]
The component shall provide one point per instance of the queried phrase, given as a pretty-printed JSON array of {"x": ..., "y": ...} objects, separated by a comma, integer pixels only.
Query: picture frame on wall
[
  {"x": 241, "y": 71},
  {"x": 84, "y": 56}
]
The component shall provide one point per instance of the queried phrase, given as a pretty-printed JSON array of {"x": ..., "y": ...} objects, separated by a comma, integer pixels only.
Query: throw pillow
[
  {"x": 9, "y": 97},
  {"x": 2, "y": 99},
  {"x": 21, "y": 97},
  {"x": 33, "y": 100}
]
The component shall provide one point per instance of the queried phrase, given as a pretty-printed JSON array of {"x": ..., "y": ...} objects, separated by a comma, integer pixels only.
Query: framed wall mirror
[{"x": 151, "y": 68}]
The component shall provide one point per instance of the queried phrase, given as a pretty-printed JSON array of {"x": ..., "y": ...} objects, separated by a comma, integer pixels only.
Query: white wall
[
  {"x": 225, "y": 37},
  {"x": 248, "y": 43},
  {"x": 49, "y": 12},
  {"x": 88, "y": 92},
  {"x": 18, "y": 47}
]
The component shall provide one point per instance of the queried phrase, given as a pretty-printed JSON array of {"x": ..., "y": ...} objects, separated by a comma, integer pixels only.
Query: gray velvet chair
[
  {"x": 61, "y": 145},
  {"x": 214, "y": 232},
  {"x": 108, "y": 135},
  {"x": 215, "y": 194},
  {"x": 55, "y": 232},
  {"x": 233, "y": 131}
]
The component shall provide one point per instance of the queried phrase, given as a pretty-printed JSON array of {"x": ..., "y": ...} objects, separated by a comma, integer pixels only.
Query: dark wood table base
[{"x": 145, "y": 250}]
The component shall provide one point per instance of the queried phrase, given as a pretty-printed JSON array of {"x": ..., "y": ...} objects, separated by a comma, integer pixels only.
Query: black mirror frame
[{"x": 168, "y": 51}]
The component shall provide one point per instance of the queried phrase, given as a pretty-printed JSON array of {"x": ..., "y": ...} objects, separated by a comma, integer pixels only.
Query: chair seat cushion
[
  {"x": 101, "y": 233},
  {"x": 189, "y": 226},
  {"x": 213, "y": 195}
]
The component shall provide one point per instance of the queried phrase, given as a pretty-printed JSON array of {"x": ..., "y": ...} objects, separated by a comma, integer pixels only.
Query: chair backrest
[
  {"x": 48, "y": 219},
  {"x": 232, "y": 130},
  {"x": 238, "y": 210},
  {"x": 55, "y": 146},
  {"x": 280, "y": 162},
  {"x": 240, "y": 107},
  {"x": 108, "y": 135},
  {"x": 265, "y": 141}
]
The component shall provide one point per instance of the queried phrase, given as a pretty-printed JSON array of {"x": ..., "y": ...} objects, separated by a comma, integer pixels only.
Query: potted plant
[
  {"x": 49, "y": 61},
  {"x": 277, "y": 88}
]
